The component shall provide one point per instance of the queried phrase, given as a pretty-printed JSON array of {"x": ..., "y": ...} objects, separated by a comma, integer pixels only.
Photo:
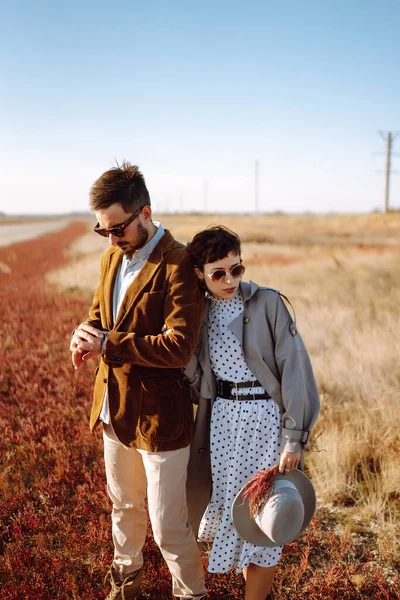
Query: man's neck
[{"x": 151, "y": 233}]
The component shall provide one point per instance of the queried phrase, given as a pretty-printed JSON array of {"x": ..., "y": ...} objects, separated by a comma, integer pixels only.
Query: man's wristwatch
[{"x": 103, "y": 341}]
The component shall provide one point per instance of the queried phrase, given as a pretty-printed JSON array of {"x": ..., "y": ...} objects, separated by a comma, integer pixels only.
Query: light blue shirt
[{"x": 128, "y": 271}]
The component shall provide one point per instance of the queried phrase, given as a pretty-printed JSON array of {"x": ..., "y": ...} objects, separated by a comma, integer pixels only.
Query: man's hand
[
  {"x": 86, "y": 343},
  {"x": 77, "y": 358}
]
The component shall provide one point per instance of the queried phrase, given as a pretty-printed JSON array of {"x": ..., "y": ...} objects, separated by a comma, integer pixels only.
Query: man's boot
[{"x": 125, "y": 589}]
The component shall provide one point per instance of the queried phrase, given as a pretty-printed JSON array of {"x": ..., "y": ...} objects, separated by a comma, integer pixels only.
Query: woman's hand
[{"x": 289, "y": 461}]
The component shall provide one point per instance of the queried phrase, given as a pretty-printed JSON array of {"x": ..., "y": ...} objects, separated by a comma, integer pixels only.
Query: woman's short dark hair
[
  {"x": 124, "y": 185},
  {"x": 213, "y": 243}
]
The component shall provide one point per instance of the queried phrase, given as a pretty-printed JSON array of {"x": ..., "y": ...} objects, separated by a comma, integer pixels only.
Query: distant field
[
  {"x": 337, "y": 231},
  {"x": 269, "y": 243}
]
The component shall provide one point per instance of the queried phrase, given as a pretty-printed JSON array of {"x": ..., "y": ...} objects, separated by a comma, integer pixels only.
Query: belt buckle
[{"x": 235, "y": 396}]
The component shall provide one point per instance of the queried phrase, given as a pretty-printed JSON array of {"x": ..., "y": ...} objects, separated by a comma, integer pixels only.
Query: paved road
[{"x": 20, "y": 232}]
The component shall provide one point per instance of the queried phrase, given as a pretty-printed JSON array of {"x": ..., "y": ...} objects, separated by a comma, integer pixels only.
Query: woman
[{"x": 258, "y": 377}]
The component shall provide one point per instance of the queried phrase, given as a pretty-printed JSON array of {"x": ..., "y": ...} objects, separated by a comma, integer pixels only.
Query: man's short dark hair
[
  {"x": 213, "y": 243},
  {"x": 123, "y": 184}
]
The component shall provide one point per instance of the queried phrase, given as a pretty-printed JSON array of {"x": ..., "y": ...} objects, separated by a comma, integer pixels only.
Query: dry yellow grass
[{"x": 342, "y": 274}]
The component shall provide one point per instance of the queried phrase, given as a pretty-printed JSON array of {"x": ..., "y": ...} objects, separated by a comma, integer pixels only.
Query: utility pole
[
  {"x": 256, "y": 185},
  {"x": 388, "y": 137}
]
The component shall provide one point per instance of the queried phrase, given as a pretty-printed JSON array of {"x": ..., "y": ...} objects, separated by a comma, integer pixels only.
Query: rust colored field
[{"x": 55, "y": 529}]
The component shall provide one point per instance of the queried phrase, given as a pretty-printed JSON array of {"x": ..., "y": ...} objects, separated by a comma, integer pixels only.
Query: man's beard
[{"x": 142, "y": 237}]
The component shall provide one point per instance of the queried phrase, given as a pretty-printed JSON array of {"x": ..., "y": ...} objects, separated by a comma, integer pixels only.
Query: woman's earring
[{"x": 200, "y": 277}]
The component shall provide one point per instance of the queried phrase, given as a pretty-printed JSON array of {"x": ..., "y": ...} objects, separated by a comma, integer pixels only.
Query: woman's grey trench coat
[{"x": 277, "y": 357}]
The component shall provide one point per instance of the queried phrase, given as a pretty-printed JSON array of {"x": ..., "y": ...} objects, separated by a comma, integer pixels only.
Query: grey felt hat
[{"x": 283, "y": 517}]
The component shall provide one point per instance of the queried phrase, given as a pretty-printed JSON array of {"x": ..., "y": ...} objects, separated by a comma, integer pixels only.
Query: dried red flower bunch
[{"x": 259, "y": 489}]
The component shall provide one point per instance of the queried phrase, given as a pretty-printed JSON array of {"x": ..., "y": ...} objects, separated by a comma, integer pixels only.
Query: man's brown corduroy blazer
[{"x": 150, "y": 406}]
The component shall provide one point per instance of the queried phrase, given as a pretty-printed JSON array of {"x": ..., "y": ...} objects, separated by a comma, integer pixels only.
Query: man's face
[{"x": 135, "y": 235}]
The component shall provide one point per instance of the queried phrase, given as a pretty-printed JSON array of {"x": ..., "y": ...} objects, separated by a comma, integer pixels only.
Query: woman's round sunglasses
[
  {"x": 117, "y": 230},
  {"x": 220, "y": 274}
]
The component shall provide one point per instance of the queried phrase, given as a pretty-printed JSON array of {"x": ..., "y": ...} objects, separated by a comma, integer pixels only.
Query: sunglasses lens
[
  {"x": 102, "y": 232},
  {"x": 117, "y": 232},
  {"x": 218, "y": 275},
  {"x": 108, "y": 232},
  {"x": 237, "y": 271}
]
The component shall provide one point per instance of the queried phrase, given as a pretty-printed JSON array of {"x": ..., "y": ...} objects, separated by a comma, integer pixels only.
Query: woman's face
[{"x": 226, "y": 286}]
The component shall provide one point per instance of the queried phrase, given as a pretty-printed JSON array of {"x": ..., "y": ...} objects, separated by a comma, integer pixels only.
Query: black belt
[{"x": 225, "y": 390}]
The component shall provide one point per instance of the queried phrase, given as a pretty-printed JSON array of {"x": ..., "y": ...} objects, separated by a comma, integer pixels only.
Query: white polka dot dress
[{"x": 244, "y": 439}]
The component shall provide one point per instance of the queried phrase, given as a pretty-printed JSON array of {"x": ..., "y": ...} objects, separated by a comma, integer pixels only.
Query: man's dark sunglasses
[
  {"x": 117, "y": 230},
  {"x": 221, "y": 274}
]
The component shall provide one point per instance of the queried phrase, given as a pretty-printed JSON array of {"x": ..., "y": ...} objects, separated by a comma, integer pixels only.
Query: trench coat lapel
[
  {"x": 203, "y": 354},
  {"x": 146, "y": 273},
  {"x": 236, "y": 326}
]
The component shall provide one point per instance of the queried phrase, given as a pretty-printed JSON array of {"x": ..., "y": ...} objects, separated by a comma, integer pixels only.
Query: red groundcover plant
[{"x": 55, "y": 537}]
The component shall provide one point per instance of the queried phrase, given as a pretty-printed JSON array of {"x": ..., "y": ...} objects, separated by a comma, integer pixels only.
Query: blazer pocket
[{"x": 161, "y": 415}]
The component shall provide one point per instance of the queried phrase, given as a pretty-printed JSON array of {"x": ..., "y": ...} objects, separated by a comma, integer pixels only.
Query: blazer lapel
[
  {"x": 114, "y": 263},
  {"x": 146, "y": 273}
]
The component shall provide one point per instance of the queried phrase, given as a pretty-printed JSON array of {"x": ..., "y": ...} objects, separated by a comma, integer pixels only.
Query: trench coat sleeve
[
  {"x": 183, "y": 314},
  {"x": 192, "y": 374},
  {"x": 300, "y": 397},
  {"x": 199, "y": 479}
]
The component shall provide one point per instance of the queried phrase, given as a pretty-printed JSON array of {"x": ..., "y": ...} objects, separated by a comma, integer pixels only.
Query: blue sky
[{"x": 195, "y": 93}]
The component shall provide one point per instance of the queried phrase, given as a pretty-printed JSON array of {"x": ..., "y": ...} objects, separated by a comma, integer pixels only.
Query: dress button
[
  {"x": 201, "y": 450},
  {"x": 247, "y": 320}
]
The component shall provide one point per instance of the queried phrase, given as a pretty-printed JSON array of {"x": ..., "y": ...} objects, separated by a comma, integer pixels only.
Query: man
[{"x": 147, "y": 285}]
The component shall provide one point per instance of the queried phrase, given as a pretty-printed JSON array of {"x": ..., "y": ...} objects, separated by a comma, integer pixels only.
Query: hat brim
[{"x": 248, "y": 529}]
